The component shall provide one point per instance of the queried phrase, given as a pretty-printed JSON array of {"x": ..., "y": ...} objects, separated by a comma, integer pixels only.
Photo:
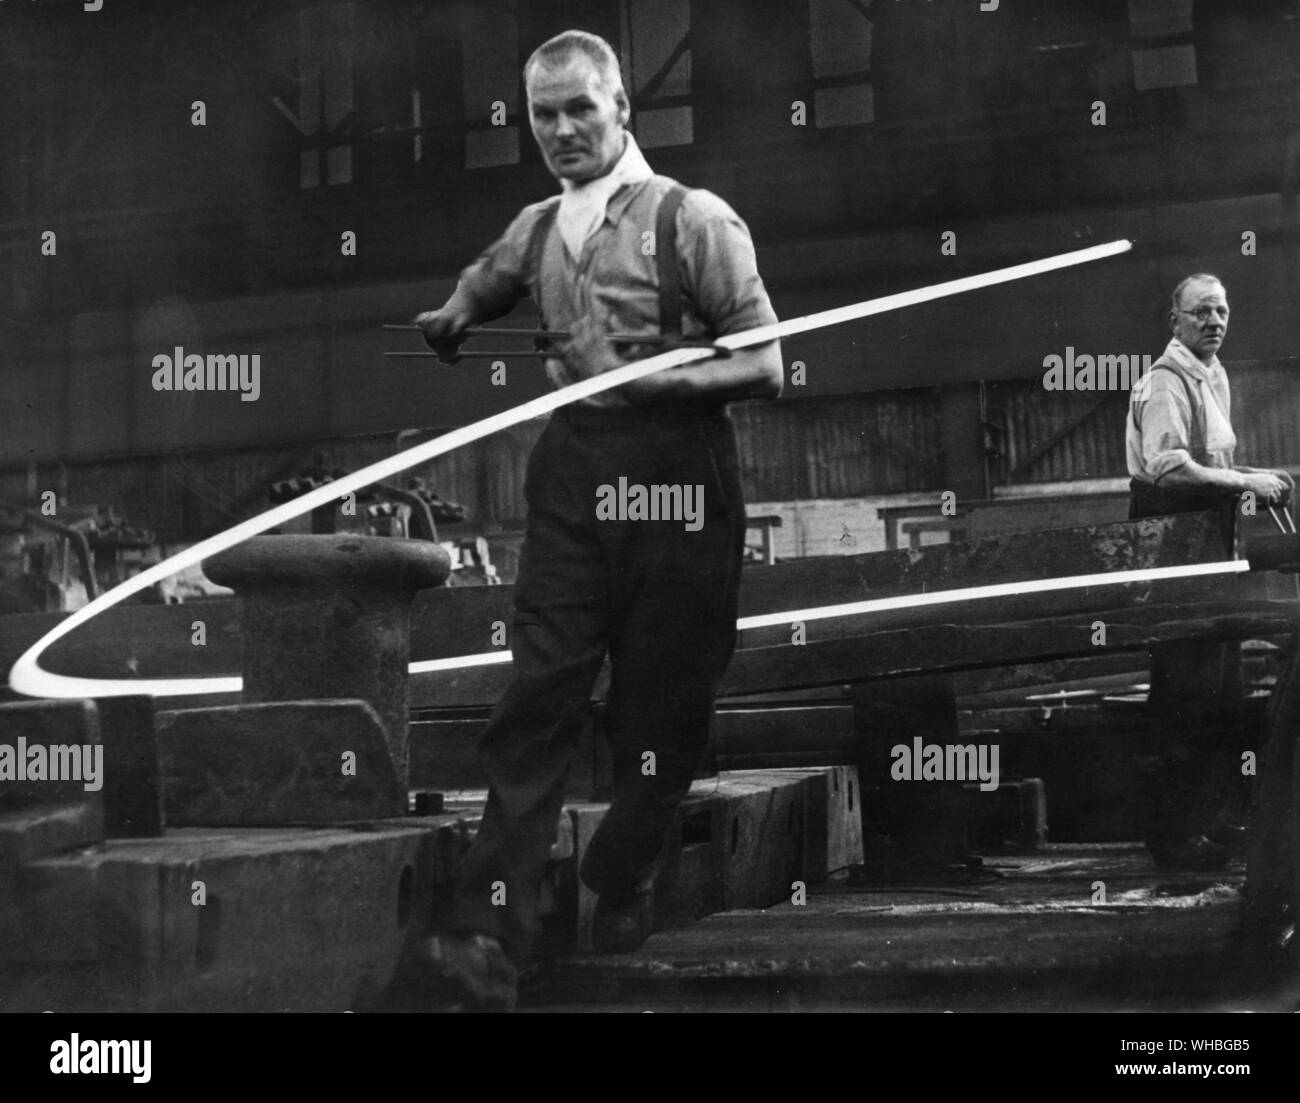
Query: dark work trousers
[
  {"x": 659, "y": 598},
  {"x": 1194, "y": 702}
]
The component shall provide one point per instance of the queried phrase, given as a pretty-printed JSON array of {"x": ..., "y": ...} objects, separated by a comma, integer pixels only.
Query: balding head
[
  {"x": 1198, "y": 315},
  {"x": 557, "y": 52},
  {"x": 1197, "y": 278}
]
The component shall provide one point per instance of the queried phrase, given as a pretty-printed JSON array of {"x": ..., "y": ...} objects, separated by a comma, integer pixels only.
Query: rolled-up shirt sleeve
[
  {"x": 719, "y": 266},
  {"x": 1166, "y": 423},
  {"x": 500, "y": 276}
]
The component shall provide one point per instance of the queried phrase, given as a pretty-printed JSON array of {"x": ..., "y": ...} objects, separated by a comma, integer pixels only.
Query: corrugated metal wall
[
  {"x": 858, "y": 446},
  {"x": 1048, "y": 436},
  {"x": 845, "y": 447},
  {"x": 1266, "y": 412}
]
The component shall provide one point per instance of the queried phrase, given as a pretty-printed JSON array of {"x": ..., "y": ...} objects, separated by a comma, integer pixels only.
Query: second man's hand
[{"x": 1269, "y": 486}]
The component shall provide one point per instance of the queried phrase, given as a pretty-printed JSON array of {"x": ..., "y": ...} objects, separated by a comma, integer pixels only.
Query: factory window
[
  {"x": 840, "y": 37},
  {"x": 490, "y": 75},
  {"x": 1155, "y": 18},
  {"x": 322, "y": 68},
  {"x": 1075, "y": 56},
  {"x": 1157, "y": 61},
  {"x": 656, "y": 54}
]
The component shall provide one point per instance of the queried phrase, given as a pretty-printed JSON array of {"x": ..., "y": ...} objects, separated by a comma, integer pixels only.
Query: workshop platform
[{"x": 1022, "y": 934}]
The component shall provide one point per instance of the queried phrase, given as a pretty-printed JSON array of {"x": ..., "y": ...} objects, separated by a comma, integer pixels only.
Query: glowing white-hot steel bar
[
  {"x": 28, "y": 678},
  {"x": 1000, "y": 589}
]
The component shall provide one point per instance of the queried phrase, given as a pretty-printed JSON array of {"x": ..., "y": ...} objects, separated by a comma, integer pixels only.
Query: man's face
[
  {"x": 577, "y": 121},
  {"x": 1201, "y": 322}
]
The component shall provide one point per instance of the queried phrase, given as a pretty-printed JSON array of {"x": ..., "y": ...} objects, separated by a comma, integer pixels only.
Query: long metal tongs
[{"x": 541, "y": 336}]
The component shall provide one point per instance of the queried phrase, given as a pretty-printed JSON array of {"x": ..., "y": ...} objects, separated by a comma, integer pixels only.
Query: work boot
[
  {"x": 622, "y": 923},
  {"x": 476, "y": 967}
]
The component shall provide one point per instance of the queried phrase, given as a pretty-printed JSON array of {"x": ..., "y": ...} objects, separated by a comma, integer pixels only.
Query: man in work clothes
[
  {"x": 1181, "y": 446},
  {"x": 660, "y": 598}
]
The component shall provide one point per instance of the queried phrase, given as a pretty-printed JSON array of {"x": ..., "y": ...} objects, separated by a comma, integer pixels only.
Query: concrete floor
[{"x": 1022, "y": 934}]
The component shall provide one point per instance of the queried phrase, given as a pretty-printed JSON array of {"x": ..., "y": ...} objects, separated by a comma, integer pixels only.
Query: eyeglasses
[{"x": 1204, "y": 313}]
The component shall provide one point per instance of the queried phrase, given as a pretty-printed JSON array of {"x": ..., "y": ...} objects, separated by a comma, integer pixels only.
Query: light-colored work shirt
[
  {"x": 614, "y": 281},
  {"x": 1179, "y": 415}
]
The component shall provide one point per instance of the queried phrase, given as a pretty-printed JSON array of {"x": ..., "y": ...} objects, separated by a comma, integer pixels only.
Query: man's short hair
[
  {"x": 1199, "y": 277},
  {"x": 555, "y": 52}
]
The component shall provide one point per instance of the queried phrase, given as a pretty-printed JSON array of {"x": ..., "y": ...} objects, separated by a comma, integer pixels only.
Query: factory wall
[
  {"x": 1047, "y": 436},
  {"x": 875, "y": 444},
  {"x": 856, "y": 452},
  {"x": 899, "y": 146},
  {"x": 89, "y": 392},
  {"x": 323, "y": 118}
]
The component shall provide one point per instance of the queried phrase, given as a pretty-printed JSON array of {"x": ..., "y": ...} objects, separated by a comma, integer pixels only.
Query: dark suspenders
[
  {"x": 537, "y": 244},
  {"x": 670, "y": 279}
]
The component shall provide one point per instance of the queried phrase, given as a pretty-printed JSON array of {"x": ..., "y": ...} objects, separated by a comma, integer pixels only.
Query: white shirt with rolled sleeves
[
  {"x": 613, "y": 285},
  {"x": 1179, "y": 415}
]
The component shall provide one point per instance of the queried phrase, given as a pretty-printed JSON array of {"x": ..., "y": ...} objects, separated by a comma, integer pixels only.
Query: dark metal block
[
  {"x": 133, "y": 792},
  {"x": 228, "y": 920},
  {"x": 759, "y": 738},
  {"x": 329, "y": 616},
  {"x": 61, "y": 739},
  {"x": 832, "y": 830},
  {"x": 278, "y": 763},
  {"x": 34, "y": 833}
]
